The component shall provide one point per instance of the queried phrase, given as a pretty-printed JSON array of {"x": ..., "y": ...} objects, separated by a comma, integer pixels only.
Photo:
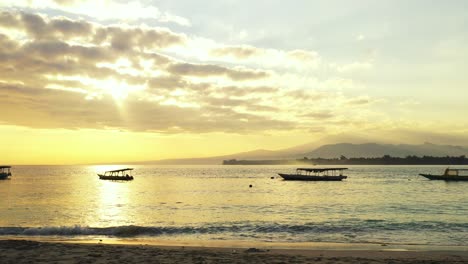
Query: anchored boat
[
  {"x": 449, "y": 175},
  {"x": 315, "y": 174},
  {"x": 117, "y": 175},
  {"x": 5, "y": 172}
]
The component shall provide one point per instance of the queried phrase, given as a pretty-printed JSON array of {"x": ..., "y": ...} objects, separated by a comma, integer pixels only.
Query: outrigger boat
[
  {"x": 5, "y": 172},
  {"x": 315, "y": 174},
  {"x": 117, "y": 175},
  {"x": 449, "y": 175}
]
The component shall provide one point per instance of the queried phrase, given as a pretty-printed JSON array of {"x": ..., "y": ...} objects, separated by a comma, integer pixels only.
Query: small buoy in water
[{"x": 250, "y": 185}]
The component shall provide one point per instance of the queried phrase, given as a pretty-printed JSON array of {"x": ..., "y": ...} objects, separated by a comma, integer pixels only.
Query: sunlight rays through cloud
[{"x": 144, "y": 67}]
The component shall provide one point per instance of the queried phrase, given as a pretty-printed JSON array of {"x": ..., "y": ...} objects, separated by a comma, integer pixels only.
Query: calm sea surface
[{"x": 376, "y": 204}]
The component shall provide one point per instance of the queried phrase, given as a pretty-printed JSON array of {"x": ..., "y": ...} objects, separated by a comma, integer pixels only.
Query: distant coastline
[{"x": 384, "y": 160}]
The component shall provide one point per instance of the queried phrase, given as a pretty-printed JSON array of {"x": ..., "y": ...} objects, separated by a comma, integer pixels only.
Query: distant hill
[
  {"x": 255, "y": 155},
  {"x": 378, "y": 150},
  {"x": 313, "y": 150}
]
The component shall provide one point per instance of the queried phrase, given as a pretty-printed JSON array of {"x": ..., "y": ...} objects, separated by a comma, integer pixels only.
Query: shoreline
[
  {"x": 206, "y": 243},
  {"x": 128, "y": 251}
]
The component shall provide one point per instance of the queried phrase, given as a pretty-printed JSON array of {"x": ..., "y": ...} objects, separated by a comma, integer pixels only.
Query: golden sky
[{"x": 110, "y": 81}]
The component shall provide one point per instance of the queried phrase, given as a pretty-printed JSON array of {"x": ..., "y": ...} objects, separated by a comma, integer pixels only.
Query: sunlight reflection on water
[{"x": 389, "y": 203}]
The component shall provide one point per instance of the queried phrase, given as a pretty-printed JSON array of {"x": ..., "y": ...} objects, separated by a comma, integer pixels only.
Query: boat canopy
[
  {"x": 320, "y": 169},
  {"x": 454, "y": 172},
  {"x": 121, "y": 170},
  {"x": 5, "y": 167}
]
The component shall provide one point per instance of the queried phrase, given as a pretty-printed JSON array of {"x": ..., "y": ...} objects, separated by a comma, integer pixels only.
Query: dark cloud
[
  {"x": 121, "y": 39},
  {"x": 9, "y": 20},
  {"x": 125, "y": 39},
  {"x": 34, "y": 60},
  {"x": 167, "y": 82},
  {"x": 158, "y": 59},
  {"x": 42, "y": 28},
  {"x": 34, "y": 24},
  {"x": 7, "y": 45},
  {"x": 70, "y": 28},
  {"x": 57, "y": 49}
]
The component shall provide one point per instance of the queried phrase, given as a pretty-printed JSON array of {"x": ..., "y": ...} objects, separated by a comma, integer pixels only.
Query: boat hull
[
  {"x": 4, "y": 176},
  {"x": 299, "y": 177},
  {"x": 115, "y": 178},
  {"x": 445, "y": 177}
]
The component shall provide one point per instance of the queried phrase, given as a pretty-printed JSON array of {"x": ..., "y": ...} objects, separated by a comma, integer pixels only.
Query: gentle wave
[{"x": 353, "y": 231}]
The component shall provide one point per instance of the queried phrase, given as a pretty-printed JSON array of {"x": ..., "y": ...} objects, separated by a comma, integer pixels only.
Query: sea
[{"x": 388, "y": 205}]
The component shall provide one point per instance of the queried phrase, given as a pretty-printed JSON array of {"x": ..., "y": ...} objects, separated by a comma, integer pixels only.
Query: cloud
[
  {"x": 239, "y": 52},
  {"x": 168, "y": 82},
  {"x": 361, "y": 100},
  {"x": 127, "y": 39},
  {"x": 354, "y": 67},
  {"x": 46, "y": 108},
  {"x": 322, "y": 115},
  {"x": 118, "y": 37},
  {"x": 305, "y": 95},
  {"x": 33, "y": 61},
  {"x": 40, "y": 27},
  {"x": 58, "y": 72},
  {"x": 65, "y": 2},
  {"x": 268, "y": 58},
  {"x": 101, "y": 10},
  {"x": 303, "y": 55},
  {"x": 205, "y": 70},
  {"x": 245, "y": 91}
]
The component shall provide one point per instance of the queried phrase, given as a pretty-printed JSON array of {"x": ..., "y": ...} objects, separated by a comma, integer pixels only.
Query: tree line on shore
[{"x": 384, "y": 160}]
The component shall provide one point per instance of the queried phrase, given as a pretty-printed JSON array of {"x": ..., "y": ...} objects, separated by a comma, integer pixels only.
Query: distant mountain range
[{"x": 311, "y": 150}]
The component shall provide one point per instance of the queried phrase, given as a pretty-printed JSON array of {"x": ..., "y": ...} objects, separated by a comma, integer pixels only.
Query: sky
[{"x": 109, "y": 81}]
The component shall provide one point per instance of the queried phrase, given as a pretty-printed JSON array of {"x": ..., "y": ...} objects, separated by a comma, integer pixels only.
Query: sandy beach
[{"x": 27, "y": 251}]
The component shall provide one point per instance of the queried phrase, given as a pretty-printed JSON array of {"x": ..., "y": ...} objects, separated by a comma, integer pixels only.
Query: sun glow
[{"x": 118, "y": 89}]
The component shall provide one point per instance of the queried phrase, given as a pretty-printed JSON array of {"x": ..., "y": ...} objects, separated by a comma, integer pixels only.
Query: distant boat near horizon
[
  {"x": 315, "y": 174},
  {"x": 5, "y": 172},
  {"x": 117, "y": 175},
  {"x": 449, "y": 175}
]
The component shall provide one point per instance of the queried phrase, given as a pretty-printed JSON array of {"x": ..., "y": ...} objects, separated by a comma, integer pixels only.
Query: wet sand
[{"x": 26, "y": 251}]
